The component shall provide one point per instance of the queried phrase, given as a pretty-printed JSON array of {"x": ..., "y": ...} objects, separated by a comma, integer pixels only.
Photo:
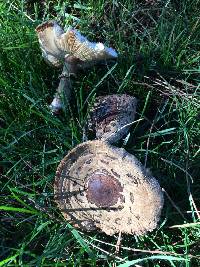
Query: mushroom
[
  {"x": 71, "y": 49},
  {"x": 111, "y": 117},
  {"x": 99, "y": 186}
]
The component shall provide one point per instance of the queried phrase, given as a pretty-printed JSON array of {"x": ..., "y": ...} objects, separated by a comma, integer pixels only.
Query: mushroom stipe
[{"x": 97, "y": 185}]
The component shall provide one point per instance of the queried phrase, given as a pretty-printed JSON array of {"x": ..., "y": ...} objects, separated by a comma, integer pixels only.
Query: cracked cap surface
[{"x": 99, "y": 186}]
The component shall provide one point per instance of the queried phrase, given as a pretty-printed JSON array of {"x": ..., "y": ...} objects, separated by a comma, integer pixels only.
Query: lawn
[{"x": 159, "y": 63}]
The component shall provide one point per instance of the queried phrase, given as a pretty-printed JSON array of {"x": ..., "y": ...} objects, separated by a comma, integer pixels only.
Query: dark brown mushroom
[
  {"x": 111, "y": 117},
  {"x": 99, "y": 186}
]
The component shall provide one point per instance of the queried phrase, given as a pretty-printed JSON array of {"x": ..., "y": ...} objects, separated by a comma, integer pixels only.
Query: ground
[{"x": 159, "y": 63}]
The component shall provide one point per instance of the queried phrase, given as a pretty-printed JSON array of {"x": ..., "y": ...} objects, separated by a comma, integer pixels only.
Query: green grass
[{"x": 159, "y": 63}]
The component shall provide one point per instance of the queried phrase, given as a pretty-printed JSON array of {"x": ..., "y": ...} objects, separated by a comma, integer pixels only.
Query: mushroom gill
[
  {"x": 111, "y": 117},
  {"x": 99, "y": 186}
]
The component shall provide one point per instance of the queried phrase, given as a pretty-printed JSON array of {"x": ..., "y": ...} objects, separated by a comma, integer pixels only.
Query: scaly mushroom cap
[
  {"x": 48, "y": 33},
  {"x": 111, "y": 117},
  {"x": 99, "y": 186},
  {"x": 57, "y": 45}
]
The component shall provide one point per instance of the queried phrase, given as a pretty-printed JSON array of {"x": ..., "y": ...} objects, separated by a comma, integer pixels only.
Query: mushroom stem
[{"x": 63, "y": 92}]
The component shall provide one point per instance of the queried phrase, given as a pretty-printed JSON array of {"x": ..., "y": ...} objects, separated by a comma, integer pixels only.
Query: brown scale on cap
[
  {"x": 97, "y": 185},
  {"x": 45, "y": 25},
  {"x": 111, "y": 117}
]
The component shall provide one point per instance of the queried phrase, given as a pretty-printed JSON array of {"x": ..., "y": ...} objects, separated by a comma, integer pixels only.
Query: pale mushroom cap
[
  {"x": 99, "y": 186},
  {"x": 112, "y": 116},
  {"x": 48, "y": 33},
  {"x": 57, "y": 45},
  {"x": 73, "y": 43}
]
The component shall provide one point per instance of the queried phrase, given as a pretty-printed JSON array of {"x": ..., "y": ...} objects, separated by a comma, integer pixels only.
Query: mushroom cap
[
  {"x": 57, "y": 45},
  {"x": 48, "y": 32},
  {"x": 99, "y": 186},
  {"x": 111, "y": 117}
]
